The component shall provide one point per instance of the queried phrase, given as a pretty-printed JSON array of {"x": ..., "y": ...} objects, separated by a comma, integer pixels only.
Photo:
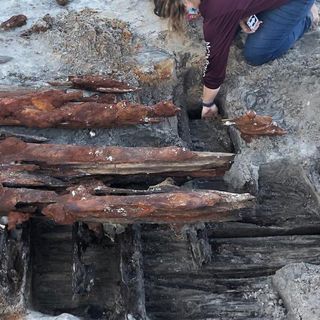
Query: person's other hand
[
  {"x": 208, "y": 113},
  {"x": 245, "y": 28}
]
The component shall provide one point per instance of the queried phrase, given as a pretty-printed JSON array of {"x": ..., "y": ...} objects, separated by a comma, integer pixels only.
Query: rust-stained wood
[
  {"x": 15, "y": 218},
  {"x": 252, "y": 126},
  {"x": 82, "y": 204},
  {"x": 25, "y": 176},
  {"x": 175, "y": 207},
  {"x": 60, "y": 160},
  {"x": 44, "y": 100},
  {"x": 56, "y": 108},
  {"x": 95, "y": 83},
  {"x": 100, "y": 83},
  {"x": 25, "y": 200}
]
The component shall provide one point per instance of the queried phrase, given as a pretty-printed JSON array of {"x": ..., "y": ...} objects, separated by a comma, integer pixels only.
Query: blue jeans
[{"x": 280, "y": 29}]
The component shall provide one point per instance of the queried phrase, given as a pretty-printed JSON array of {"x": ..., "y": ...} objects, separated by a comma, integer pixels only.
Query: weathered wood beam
[
  {"x": 131, "y": 268},
  {"x": 176, "y": 207},
  {"x": 95, "y": 83},
  {"x": 25, "y": 200},
  {"x": 25, "y": 176},
  {"x": 81, "y": 204},
  {"x": 64, "y": 160},
  {"x": 55, "y": 108},
  {"x": 14, "y": 262}
]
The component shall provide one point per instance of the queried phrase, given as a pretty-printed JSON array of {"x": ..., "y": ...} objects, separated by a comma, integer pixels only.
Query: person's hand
[
  {"x": 245, "y": 28},
  {"x": 208, "y": 113}
]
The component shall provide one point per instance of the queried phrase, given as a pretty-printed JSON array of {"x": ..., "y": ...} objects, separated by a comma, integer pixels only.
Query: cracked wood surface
[
  {"x": 56, "y": 108},
  {"x": 64, "y": 160},
  {"x": 176, "y": 207},
  {"x": 167, "y": 207}
]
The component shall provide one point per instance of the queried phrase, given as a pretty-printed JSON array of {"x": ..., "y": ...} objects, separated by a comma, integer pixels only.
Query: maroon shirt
[{"x": 221, "y": 21}]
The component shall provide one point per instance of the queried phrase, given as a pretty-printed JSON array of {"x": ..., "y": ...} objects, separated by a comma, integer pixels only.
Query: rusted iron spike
[
  {"x": 53, "y": 108},
  {"x": 174, "y": 207},
  {"x": 111, "y": 160},
  {"x": 253, "y": 126}
]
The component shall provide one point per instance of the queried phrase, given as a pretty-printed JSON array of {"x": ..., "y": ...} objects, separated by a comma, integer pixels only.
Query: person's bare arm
[{"x": 208, "y": 97}]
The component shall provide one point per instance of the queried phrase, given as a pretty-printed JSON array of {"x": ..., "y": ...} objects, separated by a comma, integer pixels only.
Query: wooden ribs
[
  {"x": 55, "y": 166},
  {"x": 69, "y": 160}
]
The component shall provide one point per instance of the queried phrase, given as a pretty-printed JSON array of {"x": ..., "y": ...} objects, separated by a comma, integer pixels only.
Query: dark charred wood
[
  {"x": 52, "y": 266},
  {"x": 14, "y": 22},
  {"x": 233, "y": 285},
  {"x": 131, "y": 268},
  {"x": 83, "y": 275},
  {"x": 14, "y": 265},
  {"x": 24, "y": 137}
]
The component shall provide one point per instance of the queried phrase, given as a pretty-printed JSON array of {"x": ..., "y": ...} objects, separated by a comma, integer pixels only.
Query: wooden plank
[
  {"x": 56, "y": 108},
  {"x": 61, "y": 160},
  {"x": 175, "y": 207},
  {"x": 235, "y": 284}
]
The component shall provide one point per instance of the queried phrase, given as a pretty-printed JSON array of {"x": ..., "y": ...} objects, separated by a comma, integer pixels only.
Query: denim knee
[{"x": 254, "y": 58}]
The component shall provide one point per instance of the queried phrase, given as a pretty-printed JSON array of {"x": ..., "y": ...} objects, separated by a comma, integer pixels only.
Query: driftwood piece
[
  {"x": 252, "y": 126},
  {"x": 14, "y": 22},
  {"x": 95, "y": 83},
  {"x": 56, "y": 108},
  {"x": 176, "y": 207},
  {"x": 61, "y": 160}
]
